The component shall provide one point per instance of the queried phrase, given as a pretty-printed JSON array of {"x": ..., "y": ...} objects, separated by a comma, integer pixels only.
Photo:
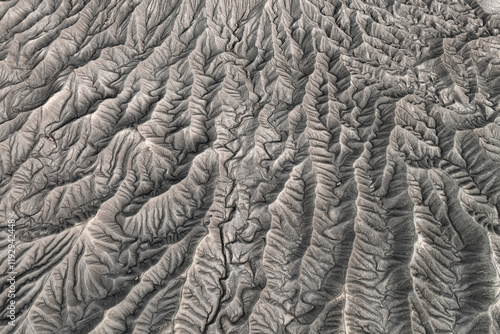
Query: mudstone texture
[{"x": 234, "y": 166}]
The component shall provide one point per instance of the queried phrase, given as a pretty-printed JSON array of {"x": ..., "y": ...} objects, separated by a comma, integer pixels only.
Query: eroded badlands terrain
[{"x": 275, "y": 166}]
